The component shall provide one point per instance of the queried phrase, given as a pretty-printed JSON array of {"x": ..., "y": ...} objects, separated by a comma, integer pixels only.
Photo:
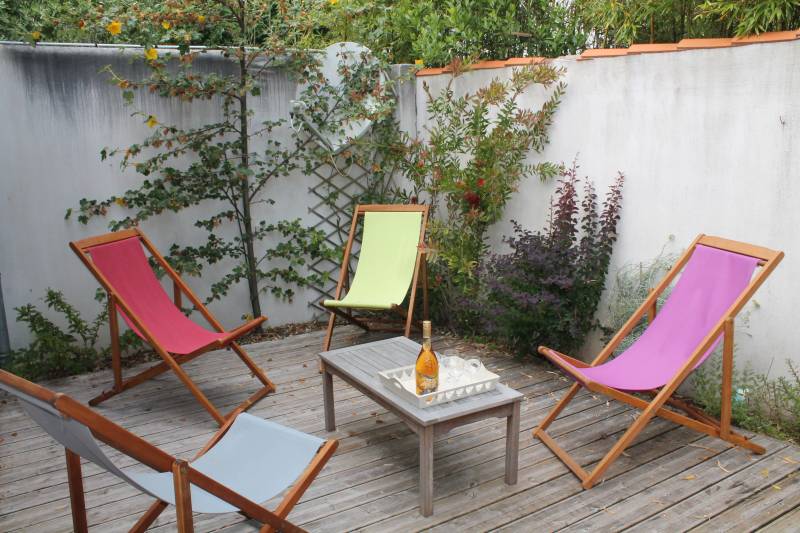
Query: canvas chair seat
[
  {"x": 256, "y": 459},
  {"x": 118, "y": 262},
  {"x": 391, "y": 263},
  {"x": 389, "y": 247},
  {"x": 716, "y": 281},
  {"x": 125, "y": 266},
  {"x": 708, "y": 286}
]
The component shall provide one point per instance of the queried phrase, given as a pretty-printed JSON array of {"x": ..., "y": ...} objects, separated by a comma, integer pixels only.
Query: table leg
[
  {"x": 426, "y": 471},
  {"x": 512, "y": 445},
  {"x": 327, "y": 395}
]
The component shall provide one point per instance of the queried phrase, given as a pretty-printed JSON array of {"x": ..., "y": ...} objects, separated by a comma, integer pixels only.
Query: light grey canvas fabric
[{"x": 255, "y": 458}]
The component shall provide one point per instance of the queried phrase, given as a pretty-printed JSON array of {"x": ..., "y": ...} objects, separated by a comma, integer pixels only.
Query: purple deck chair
[{"x": 716, "y": 282}]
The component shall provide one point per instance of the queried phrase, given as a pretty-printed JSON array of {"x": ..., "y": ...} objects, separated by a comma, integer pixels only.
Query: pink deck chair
[
  {"x": 119, "y": 263},
  {"x": 716, "y": 282}
]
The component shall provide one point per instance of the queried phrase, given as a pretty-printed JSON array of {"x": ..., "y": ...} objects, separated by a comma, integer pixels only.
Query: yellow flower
[
  {"x": 166, "y": 25},
  {"x": 201, "y": 19},
  {"x": 333, "y": 2},
  {"x": 114, "y": 27},
  {"x": 120, "y": 201},
  {"x": 151, "y": 54},
  {"x": 420, "y": 63},
  {"x": 152, "y": 121},
  {"x": 36, "y": 35}
]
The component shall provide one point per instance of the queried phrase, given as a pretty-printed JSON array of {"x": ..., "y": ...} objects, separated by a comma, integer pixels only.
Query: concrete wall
[
  {"x": 709, "y": 141},
  {"x": 58, "y": 112}
]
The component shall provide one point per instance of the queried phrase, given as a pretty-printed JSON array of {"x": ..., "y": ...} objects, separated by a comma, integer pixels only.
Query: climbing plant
[{"x": 229, "y": 163}]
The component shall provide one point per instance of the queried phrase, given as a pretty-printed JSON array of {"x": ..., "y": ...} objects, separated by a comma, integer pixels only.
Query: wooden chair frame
[
  {"x": 183, "y": 474},
  {"x": 695, "y": 418},
  {"x": 169, "y": 361},
  {"x": 420, "y": 271}
]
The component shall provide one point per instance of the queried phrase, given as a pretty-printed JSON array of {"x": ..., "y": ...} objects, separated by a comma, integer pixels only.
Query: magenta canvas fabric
[
  {"x": 126, "y": 268},
  {"x": 709, "y": 284}
]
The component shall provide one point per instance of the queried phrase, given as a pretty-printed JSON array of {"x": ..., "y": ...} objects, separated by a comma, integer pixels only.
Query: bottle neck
[{"x": 426, "y": 344}]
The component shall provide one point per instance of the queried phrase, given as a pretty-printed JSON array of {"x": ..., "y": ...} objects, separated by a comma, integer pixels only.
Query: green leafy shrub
[
  {"x": 468, "y": 168},
  {"x": 56, "y": 352},
  {"x": 762, "y": 404},
  {"x": 546, "y": 290}
]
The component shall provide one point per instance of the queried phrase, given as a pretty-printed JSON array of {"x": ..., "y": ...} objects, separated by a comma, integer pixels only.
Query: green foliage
[
  {"x": 624, "y": 22},
  {"x": 471, "y": 162},
  {"x": 56, "y": 352},
  {"x": 760, "y": 403},
  {"x": 746, "y": 17},
  {"x": 432, "y": 31},
  {"x": 232, "y": 162},
  {"x": 438, "y": 31}
]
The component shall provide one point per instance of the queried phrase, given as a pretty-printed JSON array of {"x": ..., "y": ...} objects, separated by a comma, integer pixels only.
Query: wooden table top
[{"x": 362, "y": 362}]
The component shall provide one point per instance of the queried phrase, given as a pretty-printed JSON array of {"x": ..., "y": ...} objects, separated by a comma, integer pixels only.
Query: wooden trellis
[{"x": 342, "y": 183}]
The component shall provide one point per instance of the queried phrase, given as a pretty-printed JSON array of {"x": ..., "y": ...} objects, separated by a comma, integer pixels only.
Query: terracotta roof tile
[
  {"x": 652, "y": 48},
  {"x": 768, "y": 37},
  {"x": 487, "y": 64},
  {"x": 521, "y": 61},
  {"x": 693, "y": 44},
  {"x": 430, "y": 71},
  {"x": 684, "y": 44},
  {"x": 603, "y": 52}
]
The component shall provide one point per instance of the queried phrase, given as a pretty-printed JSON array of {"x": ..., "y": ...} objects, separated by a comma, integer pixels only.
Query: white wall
[
  {"x": 708, "y": 140},
  {"x": 709, "y": 143},
  {"x": 58, "y": 112}
]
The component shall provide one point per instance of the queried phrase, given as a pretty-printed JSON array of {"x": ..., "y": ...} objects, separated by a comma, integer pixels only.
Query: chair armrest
[{"x": 241, "y": 331}]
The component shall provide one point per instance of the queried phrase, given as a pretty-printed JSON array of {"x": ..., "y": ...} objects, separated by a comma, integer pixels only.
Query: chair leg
[
  {"x": 198, "y": 394},
  {"x": 553, "y": 414},
  {"x": 148, "y": 517},
  {"x": 412, "y": 296},
  {"x": 254, "y": 368},
  {"x": 116, "y": 352},
  {"x": 624, "y": 441},
  {"x": 425, "y": 309},
  {"x": 306, "y": 478},
  {"x": 326, "y": 344},
  {"x": 727, "y": 380},
  {"x": 183, "y": 497},
  {"x": 76, "y": 498}
]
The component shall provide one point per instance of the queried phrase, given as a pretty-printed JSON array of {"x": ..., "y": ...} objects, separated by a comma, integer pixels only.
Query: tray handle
[{"x": 396, "y": 382}]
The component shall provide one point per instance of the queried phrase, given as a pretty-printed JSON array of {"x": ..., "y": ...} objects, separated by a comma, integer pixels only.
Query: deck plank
[{"x": 371, "y": 482}]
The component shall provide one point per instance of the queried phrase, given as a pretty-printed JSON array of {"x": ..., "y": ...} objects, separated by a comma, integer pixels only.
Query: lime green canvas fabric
[{"x": 386, "y": 262}]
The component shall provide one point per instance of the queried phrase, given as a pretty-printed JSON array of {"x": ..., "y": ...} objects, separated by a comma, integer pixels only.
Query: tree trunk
[{"x": 244, "y": 137}]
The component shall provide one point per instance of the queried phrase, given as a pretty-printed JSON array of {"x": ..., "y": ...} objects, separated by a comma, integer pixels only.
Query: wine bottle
[{"x": 427, "y": 367}]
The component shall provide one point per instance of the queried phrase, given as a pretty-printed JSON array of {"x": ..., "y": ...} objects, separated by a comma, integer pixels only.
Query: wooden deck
[{"x": 671, "y": 480}]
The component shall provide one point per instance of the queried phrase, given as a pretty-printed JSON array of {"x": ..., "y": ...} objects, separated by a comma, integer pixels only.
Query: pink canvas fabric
[
  {"x": 126, "y": 268},
  {"x": 708, "y": 286}
]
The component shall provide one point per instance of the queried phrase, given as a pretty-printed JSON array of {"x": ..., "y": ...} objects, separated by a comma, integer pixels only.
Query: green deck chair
[{"x": 391, "y": 259}]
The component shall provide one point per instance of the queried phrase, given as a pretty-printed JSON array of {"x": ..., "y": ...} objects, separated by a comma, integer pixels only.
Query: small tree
[
  {"x": 232, "y": 161},
  {"x": 470, "y": 163}
]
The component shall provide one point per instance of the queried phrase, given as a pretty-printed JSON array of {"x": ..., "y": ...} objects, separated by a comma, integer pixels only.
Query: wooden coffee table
[{"x": 359, "y": 366}]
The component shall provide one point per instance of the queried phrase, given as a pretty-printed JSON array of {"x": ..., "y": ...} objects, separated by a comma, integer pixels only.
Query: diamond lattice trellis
[{"x": 342, "y": 183}]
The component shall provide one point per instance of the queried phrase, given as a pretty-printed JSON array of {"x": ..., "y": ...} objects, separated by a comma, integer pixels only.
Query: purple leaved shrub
[{"x": 546, "y": 290}]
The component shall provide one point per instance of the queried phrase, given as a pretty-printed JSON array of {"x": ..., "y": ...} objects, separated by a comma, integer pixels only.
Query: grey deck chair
[{"x": 248, "y": 460}]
